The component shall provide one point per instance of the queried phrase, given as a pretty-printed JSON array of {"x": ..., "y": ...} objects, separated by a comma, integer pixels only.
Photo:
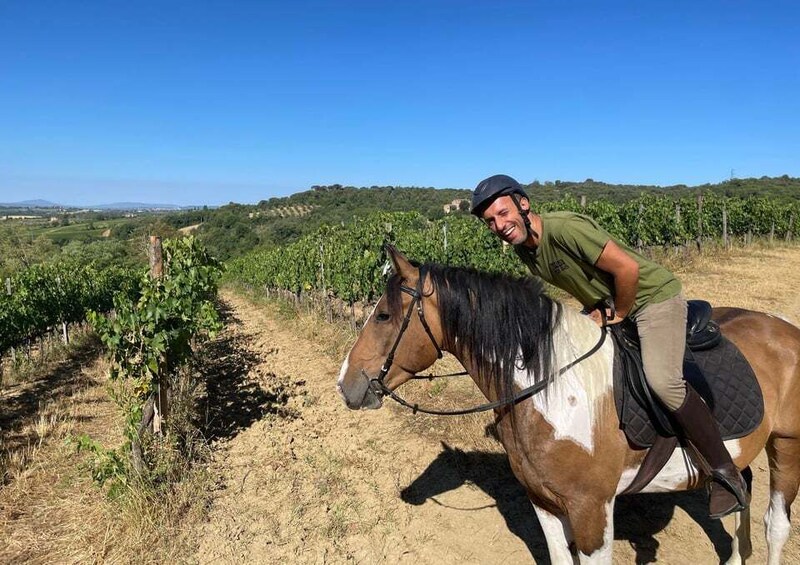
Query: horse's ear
[
  {"x": 401, "y": 265},
  {"x": 448, "y": 449}
]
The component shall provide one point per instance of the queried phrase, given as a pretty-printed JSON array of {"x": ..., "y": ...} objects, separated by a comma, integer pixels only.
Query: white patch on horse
[
  {"x": 677, "y": 471},
  {"x": 346, "y": 364},
  {"x": 778, "y": 527},
  {"x": 606, "y": 553},
  {"x": 734, "y": 447},
  {"x": 558, "y": 535},
  {"x": 342, "y": 373},
  {"x": 570, "y": 403}
]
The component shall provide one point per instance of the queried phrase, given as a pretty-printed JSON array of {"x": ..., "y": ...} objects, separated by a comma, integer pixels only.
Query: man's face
[{"x": 502, "y": 217}]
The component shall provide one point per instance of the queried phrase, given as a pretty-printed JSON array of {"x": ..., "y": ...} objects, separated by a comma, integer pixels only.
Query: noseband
[{"x": 379, "y": 388}]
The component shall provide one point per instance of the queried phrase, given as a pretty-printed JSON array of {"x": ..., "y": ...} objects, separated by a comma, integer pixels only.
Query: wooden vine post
[
  {"x": 699, "y": 222},
  {"x": 8, "y": 291},
  {"x": 161, "y": 408},
  {"x": 725, "y": 239},
  {"x": 639, "y": 242},
  {"x": 153, "y": 409}
]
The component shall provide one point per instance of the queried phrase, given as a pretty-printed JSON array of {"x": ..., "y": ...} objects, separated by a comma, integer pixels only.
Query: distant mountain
[
  {"x": 31, "y": 204},
  {"x": 113, "y": 206}
]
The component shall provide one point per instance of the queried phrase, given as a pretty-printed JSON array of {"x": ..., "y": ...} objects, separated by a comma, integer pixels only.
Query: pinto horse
[{"x": 565, "y": 445}]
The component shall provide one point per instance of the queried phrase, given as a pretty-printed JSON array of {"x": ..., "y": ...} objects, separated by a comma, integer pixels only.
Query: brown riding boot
[{"x": 728, "y": 491}]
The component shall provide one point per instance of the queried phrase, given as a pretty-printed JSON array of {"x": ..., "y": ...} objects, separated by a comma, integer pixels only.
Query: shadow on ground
[
  {"x": 637, "y": 518},
  {"x": 21, "y": 402},
  {"x": 234, "y": 396}
]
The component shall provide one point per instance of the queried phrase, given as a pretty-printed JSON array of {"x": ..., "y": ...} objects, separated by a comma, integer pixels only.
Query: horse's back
[
  {"x": 733, "y": 315},
  {"x": 759, "y": 330},
  {"x": 771, "y": 345}
]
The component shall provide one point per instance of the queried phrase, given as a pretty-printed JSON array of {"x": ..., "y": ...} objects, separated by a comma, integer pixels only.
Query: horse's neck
[
  {"x": 574, "y": 336},
  {"x": 572, "y": 403}
]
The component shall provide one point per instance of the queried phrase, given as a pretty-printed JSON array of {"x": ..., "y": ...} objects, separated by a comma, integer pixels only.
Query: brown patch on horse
[
  {"x": 772, "y": 347},
  {"x": 560, "y": 475}
]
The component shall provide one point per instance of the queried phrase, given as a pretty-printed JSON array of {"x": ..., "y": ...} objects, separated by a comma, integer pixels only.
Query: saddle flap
[{"x": 721, "y": 375}]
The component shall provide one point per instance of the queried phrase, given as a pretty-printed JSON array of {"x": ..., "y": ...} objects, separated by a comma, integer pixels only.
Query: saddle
[{"x": 712, "y": 365}]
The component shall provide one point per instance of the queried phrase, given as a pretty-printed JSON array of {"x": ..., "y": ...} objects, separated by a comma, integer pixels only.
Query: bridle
[
  {"x": 376, "y": 384},
  {"x": 379, "y": 388}
]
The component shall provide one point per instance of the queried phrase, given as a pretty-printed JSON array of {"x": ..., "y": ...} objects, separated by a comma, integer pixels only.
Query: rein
[{"x": 378, "y": 387}]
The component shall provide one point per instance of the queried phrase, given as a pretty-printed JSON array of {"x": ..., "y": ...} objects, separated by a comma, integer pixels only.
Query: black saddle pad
[{"x": 721, "y": 375}]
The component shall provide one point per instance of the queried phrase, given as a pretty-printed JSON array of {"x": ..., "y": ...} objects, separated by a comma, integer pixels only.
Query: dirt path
[{"x": 308, "y": 481}]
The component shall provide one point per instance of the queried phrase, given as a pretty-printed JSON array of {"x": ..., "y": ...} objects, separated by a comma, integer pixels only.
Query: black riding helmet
[{"x": 491, "y": 188}]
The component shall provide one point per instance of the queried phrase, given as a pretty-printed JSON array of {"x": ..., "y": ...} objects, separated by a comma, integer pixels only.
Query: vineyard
[
  {"x": 151, "y": 339},
  {"x": 38, "y": 299},
  {"x": 347, "y": 261},
  {"x": 265, "y": 391},
  {"x": 151, "y": 324}
]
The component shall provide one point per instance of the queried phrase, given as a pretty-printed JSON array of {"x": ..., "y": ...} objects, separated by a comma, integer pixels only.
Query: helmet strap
[{"x": 528, "y": 229}]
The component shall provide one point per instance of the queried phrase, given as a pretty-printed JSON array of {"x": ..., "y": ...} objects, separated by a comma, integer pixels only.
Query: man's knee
[{"x": 670, "y": 392}]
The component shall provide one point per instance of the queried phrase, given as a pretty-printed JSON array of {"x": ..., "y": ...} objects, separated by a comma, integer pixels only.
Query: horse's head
[{"x": 414, "y": 351}]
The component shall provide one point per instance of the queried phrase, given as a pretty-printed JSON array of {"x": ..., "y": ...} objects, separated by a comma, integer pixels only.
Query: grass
[
  {"x": 22, "y": 450},
  {"x": 341, "y": 519},
  {"x": 50, "y": 509},
  {"x": 28, "y": 364}
]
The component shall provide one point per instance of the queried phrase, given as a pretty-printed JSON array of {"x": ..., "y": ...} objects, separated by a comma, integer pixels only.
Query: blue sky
[{"x": 198, "y": 102}]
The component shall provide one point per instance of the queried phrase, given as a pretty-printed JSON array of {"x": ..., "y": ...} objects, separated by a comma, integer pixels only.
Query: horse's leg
[
  {"x": 590, "y": 526},
  {"x": 741, "y": 547},
  {"x": 784, "y": 477},
  {"x": 592, "y": 522},
  {"x": 558, "y": 534}
]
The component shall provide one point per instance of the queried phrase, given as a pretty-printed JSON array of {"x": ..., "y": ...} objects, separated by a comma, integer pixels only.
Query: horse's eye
[{"x": 382, "y": 317}]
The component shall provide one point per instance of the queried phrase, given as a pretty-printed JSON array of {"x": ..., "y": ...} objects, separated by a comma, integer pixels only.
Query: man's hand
[{"x": 597, "y": 317}]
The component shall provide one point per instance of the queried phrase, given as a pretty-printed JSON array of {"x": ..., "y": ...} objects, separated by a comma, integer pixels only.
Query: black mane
[{"x": 500, "y": 322}]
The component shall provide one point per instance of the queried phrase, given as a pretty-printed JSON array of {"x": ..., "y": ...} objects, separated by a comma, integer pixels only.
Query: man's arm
[{"x": 625, "y": 271}]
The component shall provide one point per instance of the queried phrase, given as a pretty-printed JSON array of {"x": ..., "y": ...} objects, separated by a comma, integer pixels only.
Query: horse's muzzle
[{"x": 360, "y": 395}]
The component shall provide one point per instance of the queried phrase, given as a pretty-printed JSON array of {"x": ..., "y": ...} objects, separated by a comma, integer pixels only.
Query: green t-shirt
[{"x": 569, "y": 247}]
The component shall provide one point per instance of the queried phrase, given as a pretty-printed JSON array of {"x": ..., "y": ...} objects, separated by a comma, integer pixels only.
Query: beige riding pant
[{"x": 662, "y": 332}]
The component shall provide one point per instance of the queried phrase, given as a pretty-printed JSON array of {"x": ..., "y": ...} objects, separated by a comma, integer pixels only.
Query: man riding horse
[{"x": 574, "y": 253}]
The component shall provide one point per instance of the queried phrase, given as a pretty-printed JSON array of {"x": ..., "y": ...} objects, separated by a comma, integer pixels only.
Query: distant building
[{"x": 454, "y": 205}]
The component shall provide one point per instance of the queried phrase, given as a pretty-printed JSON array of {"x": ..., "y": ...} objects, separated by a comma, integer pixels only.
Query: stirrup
[{"x": 726, "y": 496}]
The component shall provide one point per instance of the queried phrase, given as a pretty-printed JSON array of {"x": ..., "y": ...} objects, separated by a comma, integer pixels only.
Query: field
[
  {"x": 79, "y": 230},
  {"x": 295, "y": 477}
]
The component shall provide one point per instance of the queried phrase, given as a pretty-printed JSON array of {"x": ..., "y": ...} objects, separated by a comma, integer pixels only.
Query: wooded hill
[
  {"x": 428, "y": 201},
  {"x": 232, "y": 230}
]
